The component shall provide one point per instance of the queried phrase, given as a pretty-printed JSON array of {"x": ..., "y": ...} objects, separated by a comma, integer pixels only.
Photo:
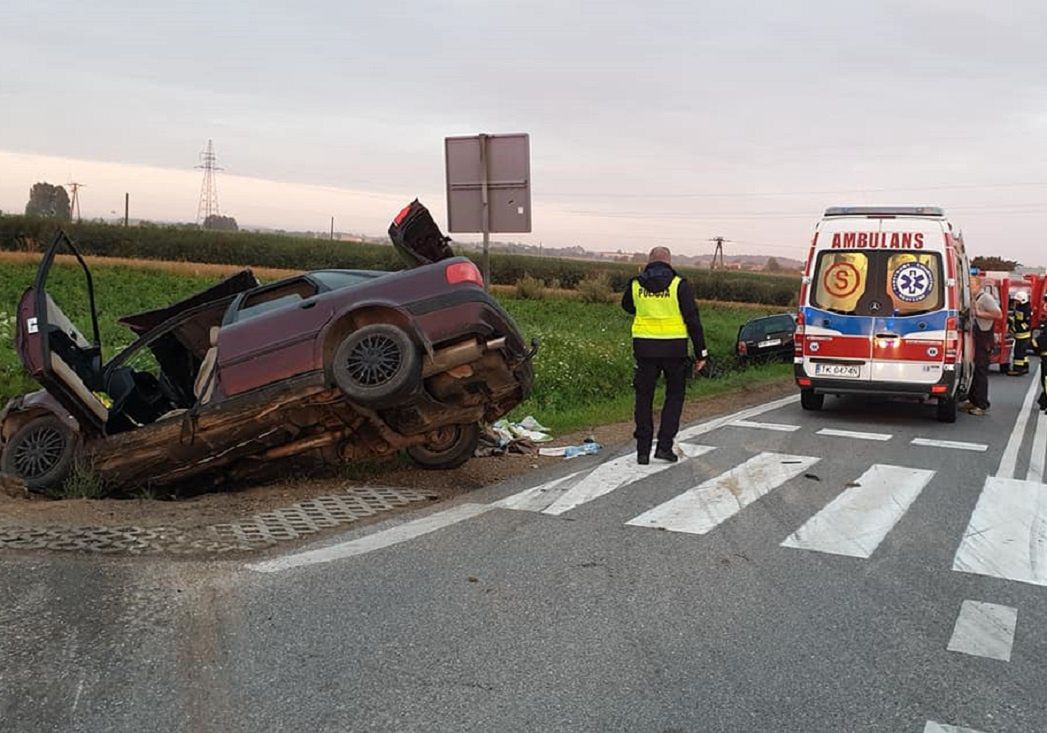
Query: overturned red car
[{"x": 339, "y": 364}]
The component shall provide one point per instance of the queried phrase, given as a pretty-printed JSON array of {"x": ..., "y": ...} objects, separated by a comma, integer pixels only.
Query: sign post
[{"x": 488, "y": 187}]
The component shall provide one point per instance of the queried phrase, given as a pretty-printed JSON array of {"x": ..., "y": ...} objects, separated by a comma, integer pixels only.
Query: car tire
[
  {"x": 458, "y": 447},
  {"x": 946, "y": 409},
  {"x": 41, "y": 453},
  {"x": 811, "y": 401},
  {"x": 1004, "y": 368},
  {"x": 376, "y": 365}
]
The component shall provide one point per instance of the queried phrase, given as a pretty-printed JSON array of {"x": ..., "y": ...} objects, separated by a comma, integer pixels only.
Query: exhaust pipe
[{"x": 458, "y": 354}]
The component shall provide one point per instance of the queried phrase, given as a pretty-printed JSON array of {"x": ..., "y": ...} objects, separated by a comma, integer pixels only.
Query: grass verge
[{"x": 583, "y": 368}]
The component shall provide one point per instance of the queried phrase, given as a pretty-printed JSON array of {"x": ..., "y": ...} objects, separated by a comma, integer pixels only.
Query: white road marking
[
  {"x": 79, "y": 691},
  {"x": 857, "y": 521},
  {"x": 1009, "y": 459},
  {"x": 954, "y": 444},
  {"x": 615, "y": 474},
  {"x": 537, "y": 498},
  {"x": 984, "y": 630},
  {"x": 710, "y": 425},
  {"x": 1039, "y": 450},
  {"x": 854, "y": 434},
  {"x": 933, "y": 727},
  {"x": 377, "y": 541},
  {"x": 702, "y": 508},
  {"x": 764, "y": 426},
  {"x": 1006, "y": 536}
]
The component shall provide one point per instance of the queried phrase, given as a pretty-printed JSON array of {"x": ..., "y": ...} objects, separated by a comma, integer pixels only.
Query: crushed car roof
[{"x": 140, "y": 323}]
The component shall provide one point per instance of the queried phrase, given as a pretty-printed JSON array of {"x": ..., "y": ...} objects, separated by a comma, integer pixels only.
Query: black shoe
[
  {"x": 643, "y": 458},
  {"x": 666, "y": 455}
]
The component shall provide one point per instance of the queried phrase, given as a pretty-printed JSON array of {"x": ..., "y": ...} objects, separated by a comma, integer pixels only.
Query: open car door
[{"x": 53, "y": 349}]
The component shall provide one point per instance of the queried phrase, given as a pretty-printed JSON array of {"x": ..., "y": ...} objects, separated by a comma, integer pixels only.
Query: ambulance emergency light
[{"x": 885, "y": 211}]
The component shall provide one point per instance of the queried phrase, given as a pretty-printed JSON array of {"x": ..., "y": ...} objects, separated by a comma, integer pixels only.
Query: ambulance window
[
  {"x": 839, "y": 280},
  {"x": 914, "y": 282}
]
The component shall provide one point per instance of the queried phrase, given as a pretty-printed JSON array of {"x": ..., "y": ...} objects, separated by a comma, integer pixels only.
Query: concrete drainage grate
[
  {"x": 256, "y": 532},
  {"x": 314, "y": 515}
]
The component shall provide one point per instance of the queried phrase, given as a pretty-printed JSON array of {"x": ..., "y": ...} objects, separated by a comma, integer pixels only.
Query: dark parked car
[
  {"x": 342, "y": 364},
  {"x": 769, "y": 337}
]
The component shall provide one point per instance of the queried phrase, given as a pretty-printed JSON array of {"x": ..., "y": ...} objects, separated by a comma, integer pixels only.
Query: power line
[{"x": 758, "y": 194}]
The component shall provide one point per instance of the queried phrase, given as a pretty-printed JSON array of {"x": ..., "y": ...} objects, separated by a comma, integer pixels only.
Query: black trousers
[
  {"x": 1043, "y": 381},
  {"x": 645, "y": 377},
  {"x": 1020, "y": 361},
  {"x": 982, "y": 356}
]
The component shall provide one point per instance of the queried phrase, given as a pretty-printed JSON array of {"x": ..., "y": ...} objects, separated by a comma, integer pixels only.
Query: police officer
[
  {"x": 665, "y": 316},
  {"x": 1021, "y": 326}
]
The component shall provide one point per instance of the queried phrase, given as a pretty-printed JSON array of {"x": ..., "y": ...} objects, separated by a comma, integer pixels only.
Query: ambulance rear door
[
  {"x": 911, "y": 306},
  {"x": 837, "y": 335}
]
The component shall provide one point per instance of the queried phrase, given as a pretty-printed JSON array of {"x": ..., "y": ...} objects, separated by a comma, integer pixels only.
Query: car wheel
[
  {"x": 1004, "y": 368},
  {"x": 946, "y": 409},
  {"x": 811, "y": 401},
  {"x": 376, "y": 365},
  {"x": 40, "y": 453},
  {"x": 454, "y": 445}
]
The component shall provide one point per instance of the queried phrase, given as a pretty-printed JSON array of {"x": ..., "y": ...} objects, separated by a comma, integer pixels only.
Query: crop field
[
  {"x": 583, "y": 369},
  {"x": 282, "y": 251}
]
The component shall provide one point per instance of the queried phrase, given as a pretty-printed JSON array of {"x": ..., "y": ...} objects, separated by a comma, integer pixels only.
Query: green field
[
  {"x": 299, "y": 253},
  {"x": 583, "y": 369}
]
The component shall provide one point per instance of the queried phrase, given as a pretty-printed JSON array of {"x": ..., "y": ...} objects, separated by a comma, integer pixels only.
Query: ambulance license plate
[
  {"x": 847, "y": 371},
  {"x": 769, "y": 342}
]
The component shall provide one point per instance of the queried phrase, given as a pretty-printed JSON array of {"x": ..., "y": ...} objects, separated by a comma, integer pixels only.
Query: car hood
[
  {"x": 417, "y": 238},
  {"x": 140, "y": 323}
]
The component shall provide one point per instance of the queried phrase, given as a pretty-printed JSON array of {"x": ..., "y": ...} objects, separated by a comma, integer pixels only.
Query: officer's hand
[{"x": 699, "y": 365}]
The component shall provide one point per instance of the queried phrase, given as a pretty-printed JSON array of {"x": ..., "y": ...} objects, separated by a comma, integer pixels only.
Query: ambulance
[{"x": 885, "y": 309}]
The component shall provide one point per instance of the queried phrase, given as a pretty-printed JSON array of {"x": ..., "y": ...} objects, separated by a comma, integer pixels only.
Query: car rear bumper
[
  {"x": 945, "y": 387},
  {"x": 469, "y": 311}
]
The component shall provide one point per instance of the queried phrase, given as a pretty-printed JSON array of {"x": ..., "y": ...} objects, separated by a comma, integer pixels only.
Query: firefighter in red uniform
[
  {"x": 665, "y": 317},
  {"x": 1020, "y": 324}
]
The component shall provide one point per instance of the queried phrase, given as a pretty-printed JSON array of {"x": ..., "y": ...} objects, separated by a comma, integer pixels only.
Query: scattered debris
[
  {"x": 512, "y": 437},
  {"x": 572, "y": 451},
  {"x": 811, "y": 476}
]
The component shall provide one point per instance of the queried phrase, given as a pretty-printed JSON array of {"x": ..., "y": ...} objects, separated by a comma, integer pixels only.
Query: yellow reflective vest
[{"x": 658, "y": 314}]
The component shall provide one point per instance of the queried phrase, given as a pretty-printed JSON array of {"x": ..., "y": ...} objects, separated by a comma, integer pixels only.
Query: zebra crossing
[
  {"x": 713, "y": 502},
  {"x": 858, "y": 520},
  {"x": 1006, "y": 536}
]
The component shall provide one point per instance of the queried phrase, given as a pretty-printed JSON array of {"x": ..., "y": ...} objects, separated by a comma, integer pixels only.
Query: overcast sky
[{"x": 650, "y": 123}]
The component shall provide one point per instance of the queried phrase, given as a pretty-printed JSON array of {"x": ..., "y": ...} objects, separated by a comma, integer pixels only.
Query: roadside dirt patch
[{"x": 243, "y": 501}]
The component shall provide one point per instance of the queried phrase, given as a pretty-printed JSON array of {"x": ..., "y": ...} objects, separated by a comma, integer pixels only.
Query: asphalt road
[{"x": 780, "y": 578}]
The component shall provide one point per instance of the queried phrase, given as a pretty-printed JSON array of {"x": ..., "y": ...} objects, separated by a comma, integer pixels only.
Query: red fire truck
[
  {"x": 1037, "y": 291},
  {"x": 998, "y": 283}
]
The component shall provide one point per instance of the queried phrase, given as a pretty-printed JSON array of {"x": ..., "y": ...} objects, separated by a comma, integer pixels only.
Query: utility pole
[
  {"x": 332, "y": 228},
  {"x": 486, "y": 212},
  {"x": 718, "y": 253},
  {"x": 74, "y": 205},
  {"x": 127, "y": 207}
]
